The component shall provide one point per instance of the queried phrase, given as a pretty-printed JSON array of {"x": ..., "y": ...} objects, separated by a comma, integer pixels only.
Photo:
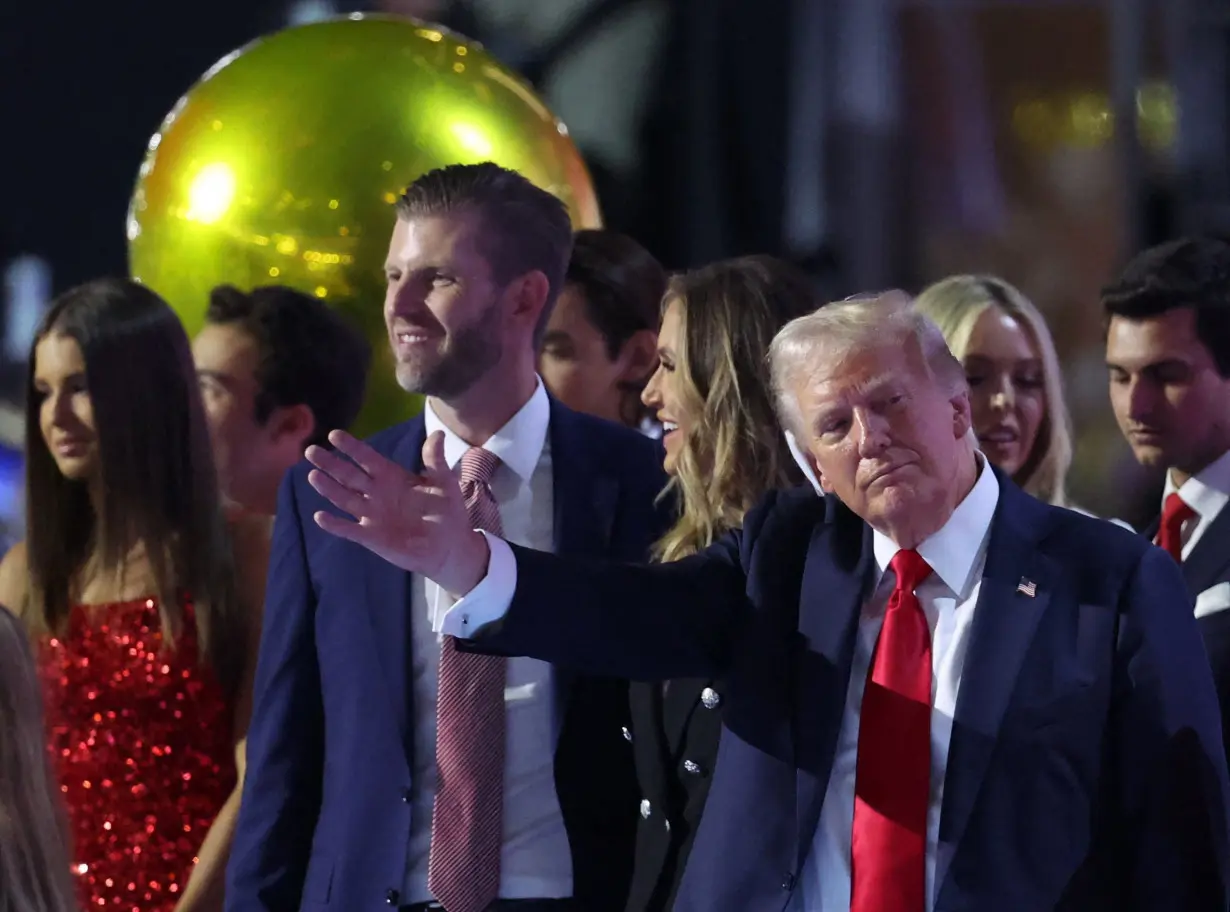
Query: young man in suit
[
  {"x": 386, "y": 768},
  {"x": 1168, "y": 352},
  {"x": 942, "y": 694}
]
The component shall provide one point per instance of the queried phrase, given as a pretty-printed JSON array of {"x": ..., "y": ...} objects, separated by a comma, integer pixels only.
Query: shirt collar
[
  {"x": 519, "y": 443},
  {"x": 954, "y": 550},
  {"x": 1207, "y": 491}
]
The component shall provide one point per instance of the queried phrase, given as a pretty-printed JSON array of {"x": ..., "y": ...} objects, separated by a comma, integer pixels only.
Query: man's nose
[
  {"x": 1142, "y": 397},
  {"x": 872, "y": 431}
]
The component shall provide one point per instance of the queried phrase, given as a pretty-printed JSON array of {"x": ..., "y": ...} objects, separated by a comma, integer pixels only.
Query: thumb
[{"x": 435, "y": 466}]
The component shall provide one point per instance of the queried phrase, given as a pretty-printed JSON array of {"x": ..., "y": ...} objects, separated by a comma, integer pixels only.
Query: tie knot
[
  {"x": 1176, "y": 510},
  {"x": 478, "y": 465},
  {"x": 910, "y": 569}
]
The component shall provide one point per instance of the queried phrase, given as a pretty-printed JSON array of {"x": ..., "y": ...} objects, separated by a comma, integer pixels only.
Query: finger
[
  {"x": 337, "y": 494},
  {"x": 368, "y": 459},
  {"x": 343, "y": 471},
  {"x": 336, "y": 525},
  {"x": 435, "y": 465}
]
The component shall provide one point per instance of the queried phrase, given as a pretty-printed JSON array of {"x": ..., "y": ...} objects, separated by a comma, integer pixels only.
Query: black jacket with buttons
[{"x": 675, "y": 742}]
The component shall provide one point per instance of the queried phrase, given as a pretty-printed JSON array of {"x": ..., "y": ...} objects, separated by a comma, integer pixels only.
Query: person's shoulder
[
  {"x": 385, "y": 442},
  {"x": 788, "y": 513},
  {"x": 616, "y": 445},
  {"x": 1099, "y": 553},
  {"x": 15, "y": 579}
]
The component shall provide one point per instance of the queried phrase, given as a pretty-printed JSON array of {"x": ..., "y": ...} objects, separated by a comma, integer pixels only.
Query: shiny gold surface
[{"x": 282, "y": 163}]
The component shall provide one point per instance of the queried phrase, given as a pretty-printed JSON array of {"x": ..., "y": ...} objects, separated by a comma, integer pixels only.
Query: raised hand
[{"x": 417, "y": 522}]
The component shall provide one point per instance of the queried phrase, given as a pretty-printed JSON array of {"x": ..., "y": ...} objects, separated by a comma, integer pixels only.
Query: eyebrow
[{"x": 556, "y": 335}]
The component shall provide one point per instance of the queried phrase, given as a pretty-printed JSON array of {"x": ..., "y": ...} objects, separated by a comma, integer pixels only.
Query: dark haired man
[
  {"x": 385, "y": 767},
  {"x": 1168, "y": 351},
  {"x": 278, "y": 369},
  {"x": 601, "y": 343}
]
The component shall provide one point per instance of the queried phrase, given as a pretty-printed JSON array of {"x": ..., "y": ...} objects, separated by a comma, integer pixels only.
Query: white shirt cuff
[{"x": 487, "y": 602}]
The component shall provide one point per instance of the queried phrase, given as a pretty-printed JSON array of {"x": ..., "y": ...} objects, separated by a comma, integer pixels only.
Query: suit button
[
  {"x": 710, "y": 698},
  {"x": 627, "y": 734},
  {"x": 405, "y": 796},
  {"x": 692, "y": 768},
  {"x": 646, "y": 808},
  {"x": 788, "y": 882},
  {"x": 392, "y": 897}
]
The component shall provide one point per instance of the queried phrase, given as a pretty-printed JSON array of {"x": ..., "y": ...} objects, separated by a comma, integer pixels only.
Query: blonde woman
[
  {"x": 34, "y": 874},
  {"x": 723, "y": 452},
  {"x": 1016, "y": 388}
]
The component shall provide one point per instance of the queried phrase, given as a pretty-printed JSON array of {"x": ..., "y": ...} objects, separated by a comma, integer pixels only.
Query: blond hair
[
  {"x": 733, "y": 453},
  {"x": 860, "y": 322},
  {"x": 34, "y": 875},
  {"x": 955, "y": 304}
]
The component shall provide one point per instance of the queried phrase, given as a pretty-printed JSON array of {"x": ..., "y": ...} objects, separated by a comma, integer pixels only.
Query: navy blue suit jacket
[
  {"x": 325, "y": 819},
  {"x": 1207, "y": 565},
  {"x": 1085, "y": 771}
]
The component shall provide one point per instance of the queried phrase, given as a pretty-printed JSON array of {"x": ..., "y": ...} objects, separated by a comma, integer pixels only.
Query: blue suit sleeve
[
  {"x": 1170, "y": 760},
  {"x": 646, "y": 623},
  {"x": 285, "y": 750}
]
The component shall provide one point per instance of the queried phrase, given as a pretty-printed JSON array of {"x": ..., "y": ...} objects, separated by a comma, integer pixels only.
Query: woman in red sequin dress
[{"x": 143, "y": 600}]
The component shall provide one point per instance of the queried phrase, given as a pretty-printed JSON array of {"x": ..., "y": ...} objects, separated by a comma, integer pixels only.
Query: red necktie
[
  {"x": 1175, "y": 512},
  {"x": 893, "y": 774},
  {"x": 463, "y": 870}
]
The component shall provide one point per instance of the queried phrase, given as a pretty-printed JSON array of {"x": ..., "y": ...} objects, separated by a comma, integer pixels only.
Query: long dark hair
[
  {"x": 156, "y": 472},
  {"x": 34, "y": 852}
]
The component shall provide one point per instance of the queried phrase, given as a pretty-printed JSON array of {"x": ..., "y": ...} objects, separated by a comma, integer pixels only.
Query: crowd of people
[{"x": 683, "y": 592}]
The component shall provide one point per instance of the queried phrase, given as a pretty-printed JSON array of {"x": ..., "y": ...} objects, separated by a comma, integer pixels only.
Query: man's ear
[
  {"x": 962, "y": 414},
  {"x": 638, "y": 357},
  {"x": 529, "y": 293},
  {"x": 807, "y": 464},
  {"x": 293, "y": 424}
]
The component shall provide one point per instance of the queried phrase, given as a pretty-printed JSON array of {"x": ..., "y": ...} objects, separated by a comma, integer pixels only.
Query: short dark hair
[
  {"x": 622, "y": 284},
  {"x": 524, "y": 228},
  {"x": 1189, "y": 272},
  {"x": 307, "y": 353}
]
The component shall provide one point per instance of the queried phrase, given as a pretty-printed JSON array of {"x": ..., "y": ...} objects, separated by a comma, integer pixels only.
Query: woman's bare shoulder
[{"x": 15, "y": 579}]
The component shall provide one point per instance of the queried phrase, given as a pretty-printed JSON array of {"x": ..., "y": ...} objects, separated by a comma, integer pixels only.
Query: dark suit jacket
[
  {"x": 1085, "y": 771},
  {"x": 1206, "y": 566},
  {"x": 325, "y": 819},
  {"x": 675, "y": 742}
]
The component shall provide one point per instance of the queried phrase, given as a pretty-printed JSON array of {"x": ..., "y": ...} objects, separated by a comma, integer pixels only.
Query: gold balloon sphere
[{"x": 282, "y": 164}]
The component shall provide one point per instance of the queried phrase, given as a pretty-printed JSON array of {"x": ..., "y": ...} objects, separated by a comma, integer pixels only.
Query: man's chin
[{"x": 1151, "y": 456}]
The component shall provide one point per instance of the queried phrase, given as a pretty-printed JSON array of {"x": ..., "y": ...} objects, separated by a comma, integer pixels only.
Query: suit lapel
[
  {"x": 584, "y": 497},
  {"x": 1207, "y": 561},
  {"x": 839, "y": 560},
  {"x": 390, "y": 607},
  {"x": 1003, "y": 630}
]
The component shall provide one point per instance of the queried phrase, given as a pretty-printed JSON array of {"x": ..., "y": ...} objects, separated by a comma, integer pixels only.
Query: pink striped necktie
[{"x": 463, "y": 871}]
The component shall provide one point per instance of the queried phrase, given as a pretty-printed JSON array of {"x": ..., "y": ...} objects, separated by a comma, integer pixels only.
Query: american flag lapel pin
[{"x": 1028, "y": 587}]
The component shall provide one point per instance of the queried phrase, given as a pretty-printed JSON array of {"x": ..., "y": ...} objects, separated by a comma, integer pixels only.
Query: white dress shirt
[
  {"x": 536, "y": 859},
  {"x": 957, "y": 555},
  {"x": 1207, "y": 493}
]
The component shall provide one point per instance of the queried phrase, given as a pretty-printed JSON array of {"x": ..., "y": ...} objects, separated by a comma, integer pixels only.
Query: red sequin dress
[{"x": 141, "y": 739}]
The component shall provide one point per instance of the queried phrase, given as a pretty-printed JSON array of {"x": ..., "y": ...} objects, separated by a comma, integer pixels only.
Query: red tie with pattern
[
  {"x": 1175, "y": 512},
  {"x": 463, "y": 871},
  {"x": 893, "y": 773}
]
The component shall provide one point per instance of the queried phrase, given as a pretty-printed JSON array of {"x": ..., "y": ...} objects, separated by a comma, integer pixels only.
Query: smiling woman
[{"x": 1016, "y": 388}]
